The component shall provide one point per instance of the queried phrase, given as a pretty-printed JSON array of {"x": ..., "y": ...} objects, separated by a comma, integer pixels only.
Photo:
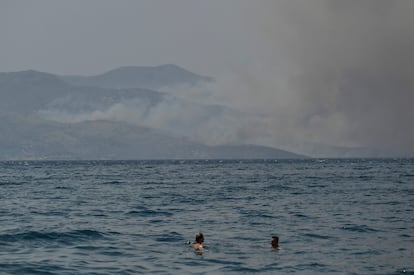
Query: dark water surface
[{"x": 128, "y": 217}]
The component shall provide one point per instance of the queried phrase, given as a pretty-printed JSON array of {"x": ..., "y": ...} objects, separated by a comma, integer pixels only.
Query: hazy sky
[
  {"x": 337, "y": 72},
  {"x": 89, "y": 37}
]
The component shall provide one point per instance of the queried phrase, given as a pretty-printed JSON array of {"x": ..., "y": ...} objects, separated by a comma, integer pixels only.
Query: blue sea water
[{"x": 348, "y": 216}]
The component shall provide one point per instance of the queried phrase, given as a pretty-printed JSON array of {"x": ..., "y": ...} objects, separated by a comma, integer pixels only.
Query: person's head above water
[
  {"x": 199, "y": 238},
  {"x": 275, "y": 242}
]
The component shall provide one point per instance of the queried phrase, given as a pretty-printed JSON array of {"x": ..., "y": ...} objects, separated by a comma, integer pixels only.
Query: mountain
[
  {"x": 27, "y": 91},
  {"x": 153, "y": 78},
  {"x": 43, "y": 116},
  {"x": 326, "y": 151},
  {"x": 246, "y": 151},
  {"x": 35, "y": 138},
  {"x": 28, "y": 138}
]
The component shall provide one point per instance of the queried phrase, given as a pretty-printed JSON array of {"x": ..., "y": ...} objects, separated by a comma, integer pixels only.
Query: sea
[{"x": 332, "y": 216}]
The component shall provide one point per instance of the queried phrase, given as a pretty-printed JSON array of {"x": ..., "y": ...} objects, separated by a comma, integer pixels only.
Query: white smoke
[
  {"x": 208, "y": 124},
  {"x": 331, "y": 72}
]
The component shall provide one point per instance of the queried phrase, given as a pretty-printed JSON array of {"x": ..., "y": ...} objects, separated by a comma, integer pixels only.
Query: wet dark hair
[
  {"x": 199, "y": 237},
  {"x": 275, "y": 241}
]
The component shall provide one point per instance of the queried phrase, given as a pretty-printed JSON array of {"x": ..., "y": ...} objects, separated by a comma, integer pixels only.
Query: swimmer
[
  {"x": 199, "y": 240},
  {"x": 275, "y": 242}
]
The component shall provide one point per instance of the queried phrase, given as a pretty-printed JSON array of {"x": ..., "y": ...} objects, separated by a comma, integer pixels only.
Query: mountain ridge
[
  {"x": 105, "y": 123},
  {"x": 146, "y": 77}
]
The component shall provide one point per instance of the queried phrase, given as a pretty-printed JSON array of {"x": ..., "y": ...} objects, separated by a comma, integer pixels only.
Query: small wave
[
  {"x": 359, "y": 228},
  {"x": 300, "y": 215},
  {"x": 406, "y": 175},
  {"x": 34, "y": 268},
  {"x": 366, "y": 177},
  {"x": 317, "y": 236},
  {"x": 60, "y": 237},
  {"x": 369, "y": 252},
  {"x": 112, "y": 182},
  {"x": 48, "y": 213},
  {"x": 280, "y": 187},
  {"x": 5, "y": 183},
  {"x": 149, "y": 213},
  {"x": 170, "y": 237},
  {"x": 190, "y": 201},
  {"x": 64, "y": 188},
  {"x": 316, "y": 267},
  {"x": 226, "y": 263},
  {"x": 239, "y": 269}
]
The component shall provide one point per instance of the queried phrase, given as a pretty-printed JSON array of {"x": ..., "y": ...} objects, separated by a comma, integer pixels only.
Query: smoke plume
[{"x": 328, "y": 72}]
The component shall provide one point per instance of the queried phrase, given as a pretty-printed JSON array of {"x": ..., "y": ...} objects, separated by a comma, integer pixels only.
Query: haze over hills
[
  {"x": 117, "y": 115},
  {"x": 39, "y": 139}
]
